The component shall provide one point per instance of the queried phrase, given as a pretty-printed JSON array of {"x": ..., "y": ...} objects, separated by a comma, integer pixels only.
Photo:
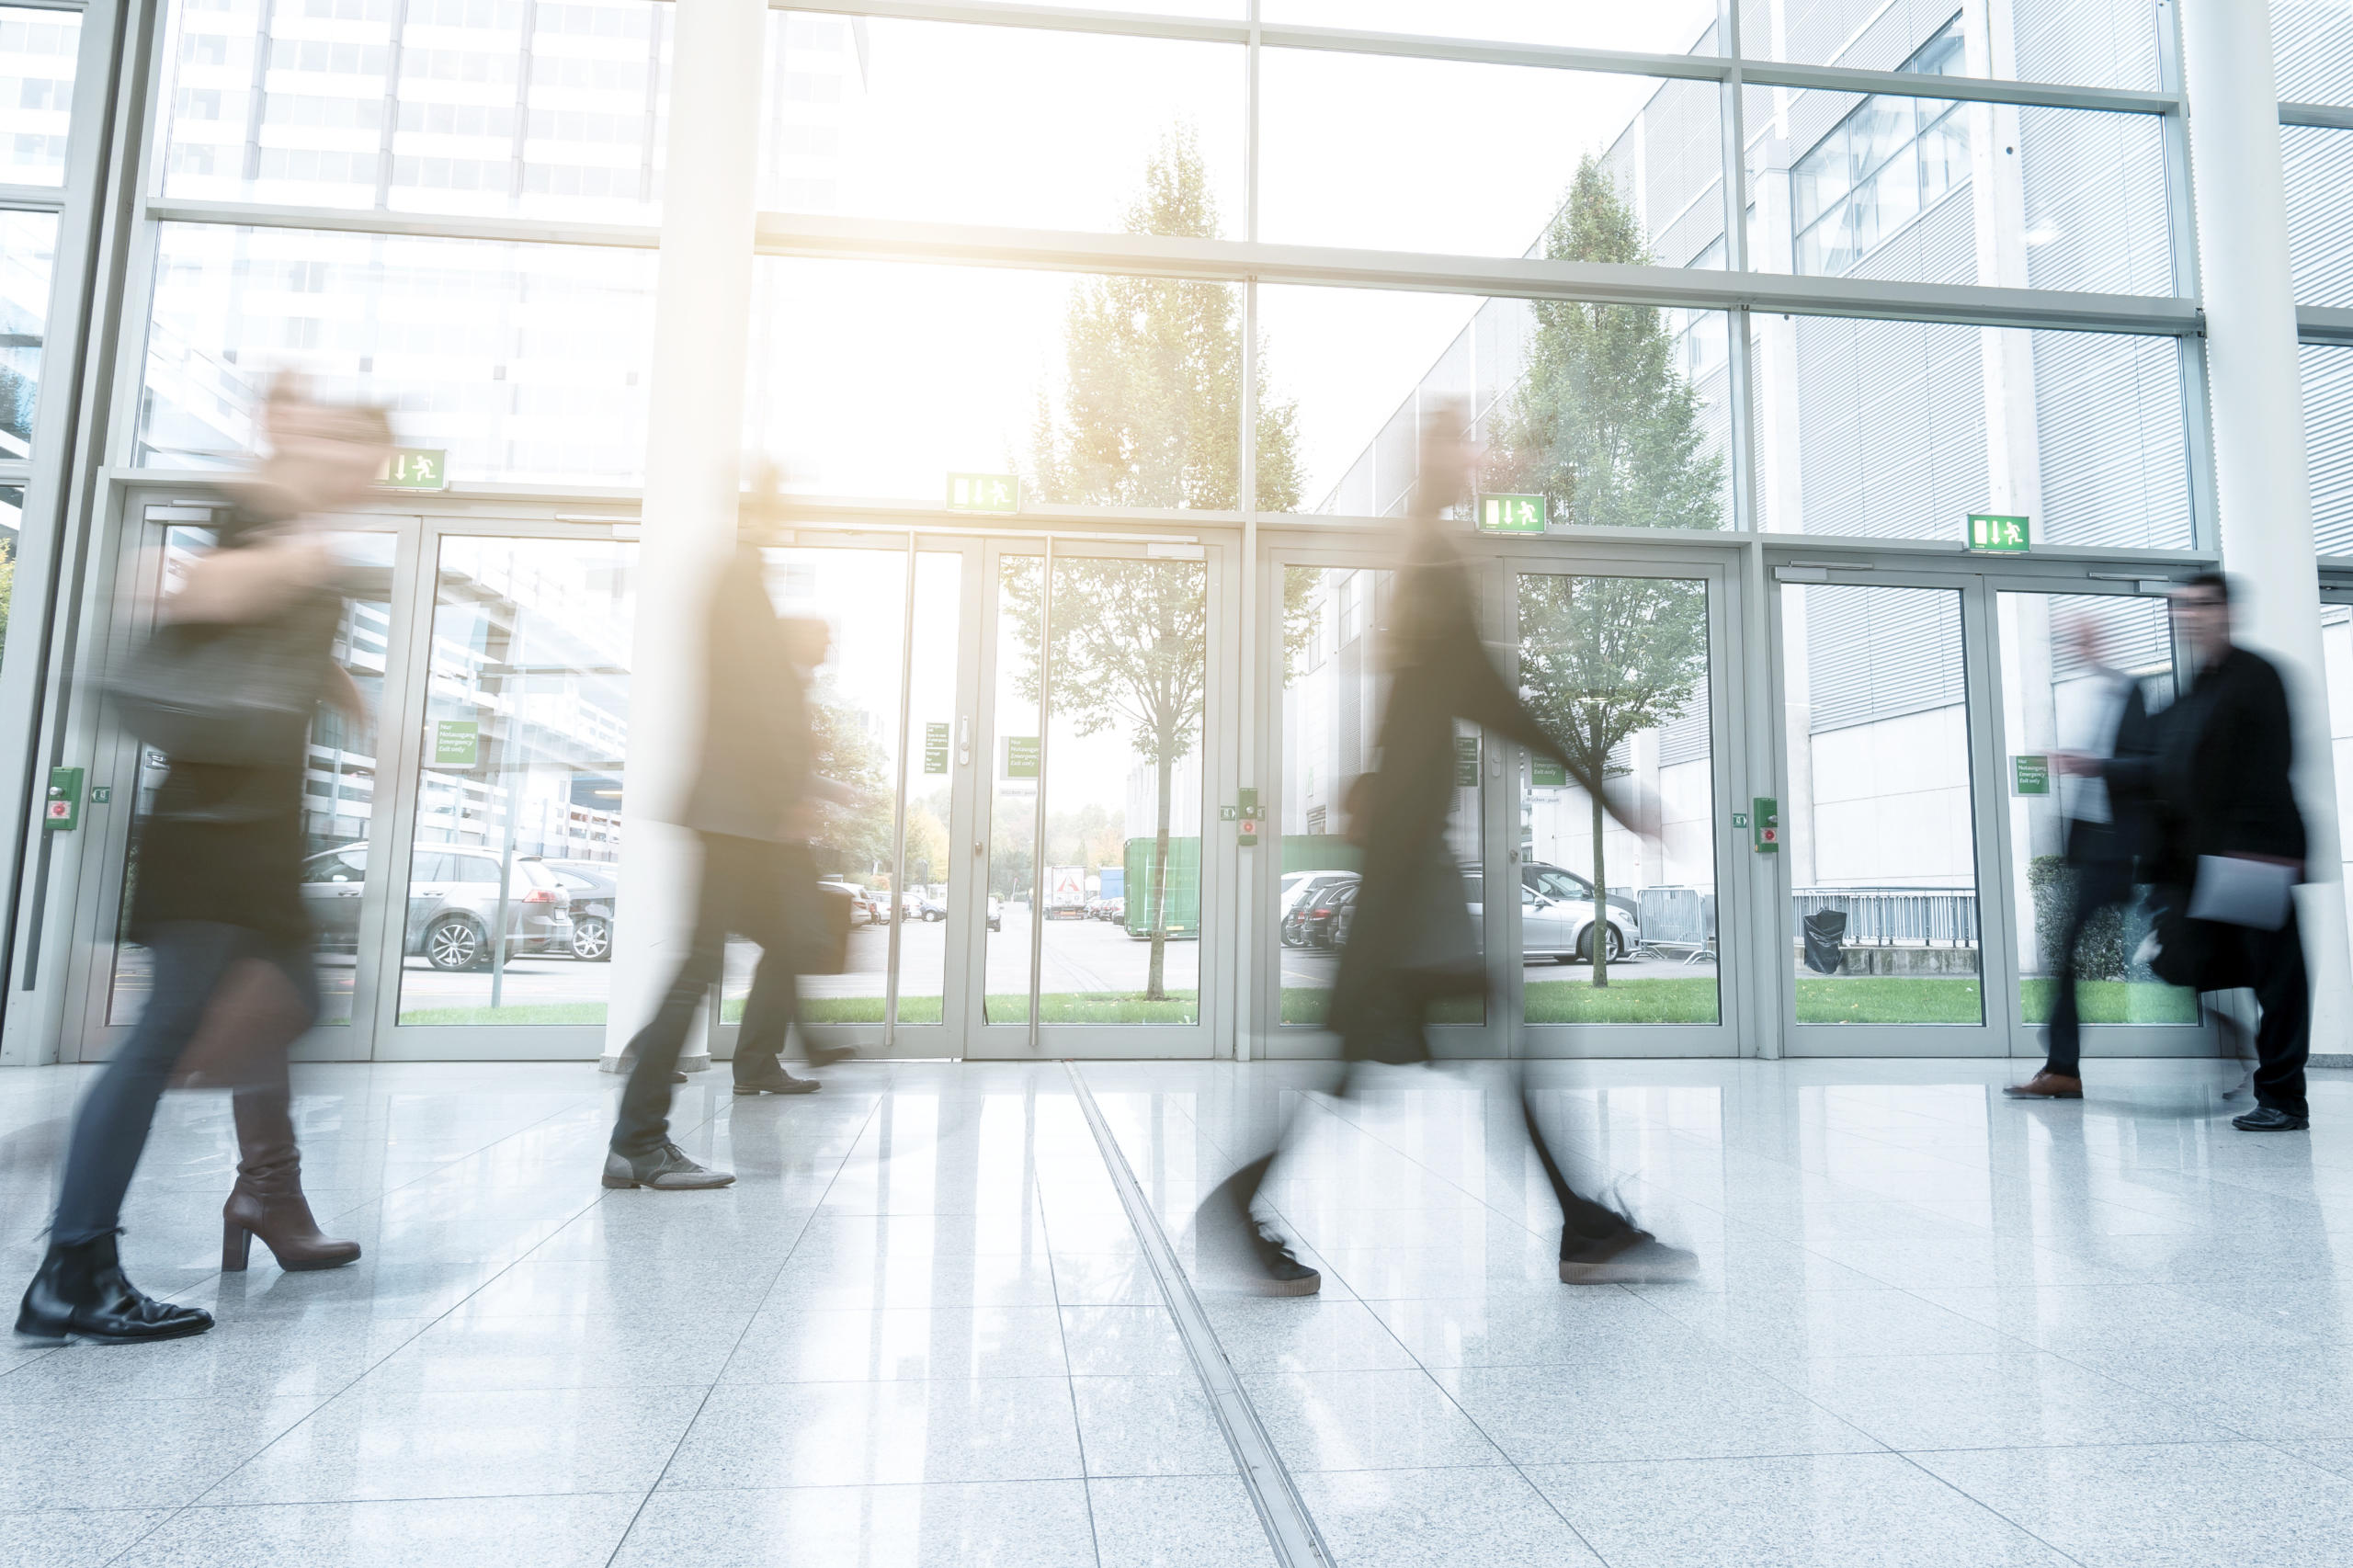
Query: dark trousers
[
  {"x": 190, "y": 959},
  {"x": 2099, "y": 884},
  {"x": 2284, "y": 1039},
  {"x": 747, "y": 888}
]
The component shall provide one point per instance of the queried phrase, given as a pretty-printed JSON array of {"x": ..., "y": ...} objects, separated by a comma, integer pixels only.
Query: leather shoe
[
  {"x": 1630, "y": 1257},
  {"x": 666, "y": 1169},
  {"x": 2264, "y": 1118},
  {"x": 80, "y": 1293},
  {"x": 776, "y": 1081},
  {"x": 2047, "y": 1085}
]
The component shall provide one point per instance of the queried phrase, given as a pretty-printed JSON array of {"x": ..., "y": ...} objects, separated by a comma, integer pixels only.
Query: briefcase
[
  {"x": 825, "y": 946},
  {"x": 2234, "y": 890}
]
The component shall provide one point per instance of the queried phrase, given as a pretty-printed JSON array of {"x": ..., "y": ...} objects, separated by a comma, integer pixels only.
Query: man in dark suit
[
  {"x": 2218, "y": 783},
  {"x": 753, "y": 791},
  {"x": 2106, "y": 834}
]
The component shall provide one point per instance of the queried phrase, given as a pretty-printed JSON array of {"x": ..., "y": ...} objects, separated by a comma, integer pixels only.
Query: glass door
[
  {"x": 346, "y": 758},
  {"x": 892, "y": 711},
  {"x": 1614, "y": 926},
  {"x": 1331, "y": 687},
  {"x": 1100, "y": 734},
  {"x": 509, "y": 828},
  {"x": 1887, "y": 821},
  {"x": 2070, "y": 661}
]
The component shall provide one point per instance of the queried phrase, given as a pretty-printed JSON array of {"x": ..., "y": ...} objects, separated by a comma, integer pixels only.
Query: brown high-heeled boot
[{"x": 267, "y": 1200}]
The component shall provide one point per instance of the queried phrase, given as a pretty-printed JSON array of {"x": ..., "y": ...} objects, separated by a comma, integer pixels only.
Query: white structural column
[
  {"x": 693, "y": 474},
  {"x": 2259, "y": 420}
]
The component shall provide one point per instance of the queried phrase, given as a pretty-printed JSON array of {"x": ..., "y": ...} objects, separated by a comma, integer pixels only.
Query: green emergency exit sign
[
  {"x": 1021, "y": 756},
  {"x": 2031, "y": 775},
  {"x": 1546, "y": 773},
  {"x": 2004, "y": 535},
  {"x": 935, "y": 748},
  {"x": 1512, "y": 514},
  {"x": 984, "y": 492},
  {"x": 418, "y": 468}
]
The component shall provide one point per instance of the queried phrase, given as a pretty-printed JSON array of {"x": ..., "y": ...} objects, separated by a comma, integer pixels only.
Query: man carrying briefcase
[{"x": 2230, "y": 844}]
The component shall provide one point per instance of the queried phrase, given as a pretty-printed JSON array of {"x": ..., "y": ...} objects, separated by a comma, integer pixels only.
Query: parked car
[
  {"x": 1299, "y": 887},
  {"x": 1321, "y": 920},
  {"x": 931, "y": 909},
  {"x": 452, "y": 903},
  {"x": 595, "y": 887},
  {"x": 1556, "y": 914},
  {"x": 1115, "y": 910},
  {"x": 866, "y": 907}
]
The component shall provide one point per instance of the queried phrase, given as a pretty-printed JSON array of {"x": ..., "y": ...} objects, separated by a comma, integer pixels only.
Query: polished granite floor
[{"x": 1932, "y": 1327}]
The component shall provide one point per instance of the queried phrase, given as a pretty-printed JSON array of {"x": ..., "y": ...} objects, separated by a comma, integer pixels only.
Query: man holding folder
[{"x": 2229, "y": 844}]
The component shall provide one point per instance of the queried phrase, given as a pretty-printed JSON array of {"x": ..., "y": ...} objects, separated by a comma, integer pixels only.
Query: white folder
[{"x": 2234, "y": 890}]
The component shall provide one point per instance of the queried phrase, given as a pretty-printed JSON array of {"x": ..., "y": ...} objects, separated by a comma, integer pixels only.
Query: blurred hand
[
  {"x": 342, "y": 694},
  {"x": 2074, "y": 764}
]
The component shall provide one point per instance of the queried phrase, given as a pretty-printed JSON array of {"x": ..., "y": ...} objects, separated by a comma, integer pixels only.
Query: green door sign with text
[
  {"x": 1021, "y": 756},
  {"x": 418, "y": 468},
  {"x": 984, "y": 492},
  {"x": 1512, "y": 514},
  {"x": 1989, "y": 530},
  {"x": 935, "y": 748},
  {"x": 457, "y": 742},
  {"x": 2029, "y": 776},
  {"x": 1466, "y": 762},
  {"x": 1545, "y": 773}
]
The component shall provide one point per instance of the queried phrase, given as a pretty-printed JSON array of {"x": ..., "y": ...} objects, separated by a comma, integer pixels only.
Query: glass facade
[{"x": 1154, "y": 269}]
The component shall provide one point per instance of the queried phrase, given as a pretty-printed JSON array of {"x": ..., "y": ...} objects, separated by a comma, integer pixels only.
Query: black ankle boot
[{"x": 80, "y": 1293}]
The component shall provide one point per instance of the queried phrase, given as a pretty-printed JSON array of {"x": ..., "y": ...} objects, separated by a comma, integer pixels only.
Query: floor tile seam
[
  {"x": 1070, "y": 1387},
  {"x": 686, "y": 1428},
  {"x": 1257, "y": 1465},
  {"x": 2075, "y": 1359}
]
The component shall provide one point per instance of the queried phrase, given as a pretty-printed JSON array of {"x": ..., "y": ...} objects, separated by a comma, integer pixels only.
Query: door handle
[{"x": 979, "y": 847}]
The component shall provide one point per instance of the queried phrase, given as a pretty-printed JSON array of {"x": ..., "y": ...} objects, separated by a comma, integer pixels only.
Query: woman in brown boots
[{"x": 218, "y": 899}]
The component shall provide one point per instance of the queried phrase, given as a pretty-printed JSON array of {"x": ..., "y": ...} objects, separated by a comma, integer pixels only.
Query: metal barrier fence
[{"x": 1896, "y": 916}]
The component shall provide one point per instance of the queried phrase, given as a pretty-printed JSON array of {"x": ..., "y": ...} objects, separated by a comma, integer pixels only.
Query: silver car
[{"x": 452, "y": 903}]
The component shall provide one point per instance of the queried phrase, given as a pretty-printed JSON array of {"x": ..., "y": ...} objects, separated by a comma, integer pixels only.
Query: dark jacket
[
  {"x": 1441, "y": 673},
  {"x": 224, "y": 844},
  {"x": 2217, "y": 780},
  {"x": 2125, "y": 836},
  {"x": 754, "y": 764}
]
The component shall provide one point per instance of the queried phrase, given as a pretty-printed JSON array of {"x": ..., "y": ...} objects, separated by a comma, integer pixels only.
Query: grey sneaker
[
  {"x": 666, "y": 1168},
  {"x": 1630, "y": 1257}
]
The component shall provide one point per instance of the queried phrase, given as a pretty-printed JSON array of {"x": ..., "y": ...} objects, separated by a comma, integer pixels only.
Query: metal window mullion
[
  {"x": 1151, "y": 255},
  {"x": 365, "y": 220},
  {"x": 2181, "y": 236},
  {"x": 1476, "y": 51},
  {"x": 899, "y": 802},
  {"x": 54, "y": 555},
  {"x": 2326, "y": 116},
  {"x": 1037, "y": 835}
]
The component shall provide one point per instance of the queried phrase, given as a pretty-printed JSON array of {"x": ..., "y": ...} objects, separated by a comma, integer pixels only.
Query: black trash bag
[{"x": 1824, "y": 932}]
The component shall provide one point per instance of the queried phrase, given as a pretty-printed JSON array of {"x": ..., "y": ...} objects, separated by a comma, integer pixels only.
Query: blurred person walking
[
  {"x": 2228, "y": 844},
  {"x": 1411, "y": 942},
  {"x": 2106, "y": 834},
  {"x": 752, "y": 805},
  {"x": 226, "y": 690}
]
